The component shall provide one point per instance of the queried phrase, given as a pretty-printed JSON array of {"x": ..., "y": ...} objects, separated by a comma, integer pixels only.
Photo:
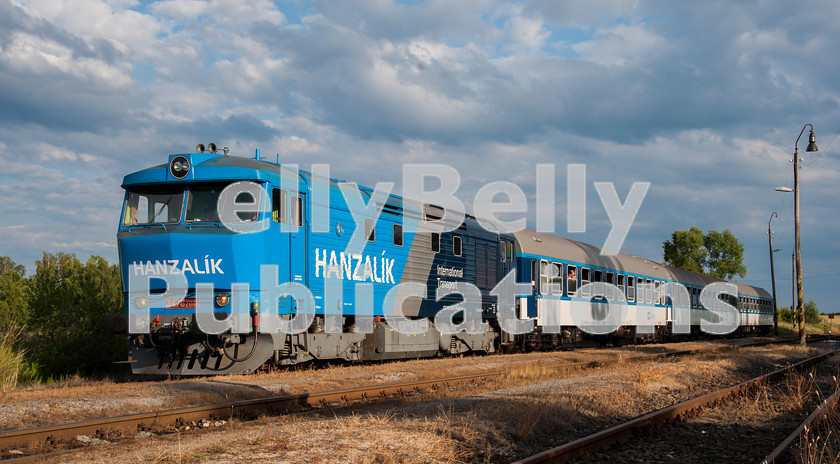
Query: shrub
[
  {"x": 66, "y": 308},
  {"x": 786, "y": 314},
  {"x": 15, "y": 368}
]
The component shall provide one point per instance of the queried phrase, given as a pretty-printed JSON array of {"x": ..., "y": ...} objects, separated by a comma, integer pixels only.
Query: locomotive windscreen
[{"x": 153, "y": 205}]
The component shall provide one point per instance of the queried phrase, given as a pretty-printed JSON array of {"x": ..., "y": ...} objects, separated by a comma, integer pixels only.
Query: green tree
[
  {"x": 716, "y": 254},
  {"x": 7, "y": 265},
  {"x": 686, "y": 250},
  {"x": 785, "y": 314},
  {"x": 812, "y": 313},
  {"x": 726, "y": 255},
  {"x": 14, "y": 294},
  {"x": 67, "y": 305}
]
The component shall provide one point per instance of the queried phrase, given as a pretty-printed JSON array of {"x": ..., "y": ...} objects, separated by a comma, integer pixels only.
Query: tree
[
  {"x": 726, "y": 255},
  {"x": 716, "y": 254},
  {"x": 785, "y": 314},
  {"x": 14, "y": 294},
  {"x": 7, "y": 265},
  {"x": 812, "y": 313},
  {"x": 68, "y": 302},
  {"x": 686, "y": 250}
]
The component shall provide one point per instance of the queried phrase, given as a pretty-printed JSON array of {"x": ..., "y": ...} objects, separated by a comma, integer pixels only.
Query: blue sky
[{"x": 704, "y": 100}]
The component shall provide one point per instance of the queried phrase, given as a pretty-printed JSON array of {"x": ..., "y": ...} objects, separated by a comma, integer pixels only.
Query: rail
[
  {"x": 609, "y": 436},
  {"x": 51, "y": 434},
  {"x": 778, "y": 454}
]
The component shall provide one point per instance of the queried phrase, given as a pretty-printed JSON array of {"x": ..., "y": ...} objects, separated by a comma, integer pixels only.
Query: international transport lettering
[
  {"x": 354, "y": 266},
  {"x": 178, "y": 266}
]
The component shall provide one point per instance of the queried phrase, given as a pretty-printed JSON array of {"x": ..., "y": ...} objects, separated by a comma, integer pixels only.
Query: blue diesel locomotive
[{"x": 288, "y": 252}]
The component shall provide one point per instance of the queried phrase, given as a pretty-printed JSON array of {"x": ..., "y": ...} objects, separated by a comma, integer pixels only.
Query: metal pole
[
  {"x": 800, "y": 301},
  {"x": 800, "y": 305},
  {"x": 773, "y": 276}
]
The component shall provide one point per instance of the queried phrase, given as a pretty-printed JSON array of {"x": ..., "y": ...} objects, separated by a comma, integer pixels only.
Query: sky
[{"x": 703, "y": 100}]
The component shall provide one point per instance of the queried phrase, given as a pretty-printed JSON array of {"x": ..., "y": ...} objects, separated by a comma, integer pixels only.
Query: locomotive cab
[{"x": 172, "y": 230}]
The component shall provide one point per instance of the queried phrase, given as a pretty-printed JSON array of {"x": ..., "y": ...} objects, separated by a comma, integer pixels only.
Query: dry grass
[
  {"x": 822, "y": 444},
  {"x": 649, "y": 373},
  {"x": 530, "y": 409}
]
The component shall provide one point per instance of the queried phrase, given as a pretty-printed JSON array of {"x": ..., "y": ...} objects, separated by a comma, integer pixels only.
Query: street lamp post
[
  {"x": 800, "y": 303},
  {"x": 793, "y": 288},
  {"x": 773, "y": 275}
]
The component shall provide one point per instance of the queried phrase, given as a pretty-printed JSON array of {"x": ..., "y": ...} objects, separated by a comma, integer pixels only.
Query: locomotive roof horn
[{"x": 211, "y": 147}]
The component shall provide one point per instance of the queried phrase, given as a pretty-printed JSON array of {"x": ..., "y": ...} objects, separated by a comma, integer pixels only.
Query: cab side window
[{"x": 278, "y": 206}]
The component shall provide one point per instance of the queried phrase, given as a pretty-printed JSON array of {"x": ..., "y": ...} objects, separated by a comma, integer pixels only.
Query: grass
[
  {"x": 15, "y": 369},
  {"x": 788, "y": 328},
  {"x": 822, "y": 444}
]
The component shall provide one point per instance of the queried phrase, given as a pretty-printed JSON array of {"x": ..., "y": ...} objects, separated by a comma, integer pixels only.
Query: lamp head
[{"x": 812, "y": 142}]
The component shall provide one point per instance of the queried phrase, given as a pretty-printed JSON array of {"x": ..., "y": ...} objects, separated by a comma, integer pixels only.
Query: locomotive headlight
[
  {"x": 222, "y": 299},
  {"x": 141, "y": 302},
  {"x": 179, "y": 167}
]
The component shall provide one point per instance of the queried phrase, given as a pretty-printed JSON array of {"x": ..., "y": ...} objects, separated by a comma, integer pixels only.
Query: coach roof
[{"x": 535, "y": 243}]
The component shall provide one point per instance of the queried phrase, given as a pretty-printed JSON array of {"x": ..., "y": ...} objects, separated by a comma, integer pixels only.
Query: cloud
[{"x": 702, "y": 100}]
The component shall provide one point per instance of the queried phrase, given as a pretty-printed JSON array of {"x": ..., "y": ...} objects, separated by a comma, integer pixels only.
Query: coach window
[
  {"x": 370, "y": 229},
  {"x": 584, "y": 279},
  {"x": 435, "y": 242},
  {"x": 456, "y": 245},
  {"x": 657, "y": 298},
  {"x": 611, "y": 289},
  {"x": 649, "y": 291},
  {"x": 571, "y": 280},
  {"x": 620, "y": 284},
  {"x": 544, "y": 277},
  {"x": 398, "y": 235},
  {"x": 278, "y": 206},
  {"x": 631, "y": 289},
  {"x": 640, "y": 289},
  {"x": 556, "y": 279}
]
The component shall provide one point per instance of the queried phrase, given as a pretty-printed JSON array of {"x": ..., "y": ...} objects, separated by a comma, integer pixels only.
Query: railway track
[
  {"x": 625, "y": 431},
  {"x": 782, "y": 453},
  {"x": 52, "y": 436}
]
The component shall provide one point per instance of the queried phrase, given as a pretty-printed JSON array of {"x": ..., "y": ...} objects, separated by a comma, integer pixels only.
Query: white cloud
[
  {"x": 222, "y": 12},
  {"x": 621, "y": 45},
  {"x": 528, "y": 33}
]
